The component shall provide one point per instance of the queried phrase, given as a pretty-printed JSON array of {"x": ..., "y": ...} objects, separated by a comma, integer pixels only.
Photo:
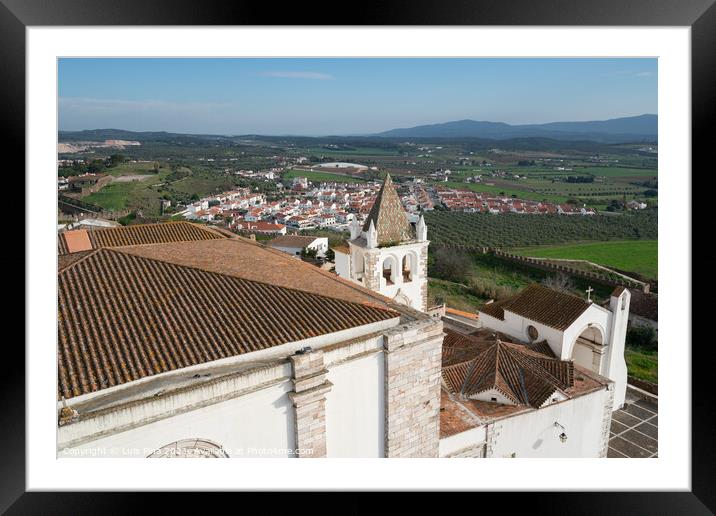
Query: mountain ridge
[{"x": 615, "y": 130}]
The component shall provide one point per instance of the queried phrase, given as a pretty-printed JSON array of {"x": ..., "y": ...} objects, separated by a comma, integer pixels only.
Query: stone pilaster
[
  {"x": 607, "y": 420},
  {"x": 413, "y": 354},
  {"x": 371, "y": 274},
  {"x": 423, "y": 268},
  {"x": 309, "y": 401}
]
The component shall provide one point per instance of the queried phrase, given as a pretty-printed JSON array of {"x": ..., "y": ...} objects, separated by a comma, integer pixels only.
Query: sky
[{"x": 342, "y": 96}]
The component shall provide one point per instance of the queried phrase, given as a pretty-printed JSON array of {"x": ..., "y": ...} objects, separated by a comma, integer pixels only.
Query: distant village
[{"x": 308, "y": 206}]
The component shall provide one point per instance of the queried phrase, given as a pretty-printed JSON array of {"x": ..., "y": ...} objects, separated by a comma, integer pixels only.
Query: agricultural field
[
  {"x": 640, "y": 256},
  {"x": 511, "y": 230},
  {"x": 318, "y": 177}
]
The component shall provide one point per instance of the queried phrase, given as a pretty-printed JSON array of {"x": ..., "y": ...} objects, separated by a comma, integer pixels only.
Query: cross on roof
[{"x": 589, "y": 293}]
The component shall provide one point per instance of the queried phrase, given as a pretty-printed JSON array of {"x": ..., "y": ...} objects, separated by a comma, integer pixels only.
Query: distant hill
[
  {"x": 121, "y": 134},
  {"x": 617, "y": 130}
]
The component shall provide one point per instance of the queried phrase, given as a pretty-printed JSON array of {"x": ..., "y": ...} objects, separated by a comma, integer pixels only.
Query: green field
[
  {"x": 642, "y": 364},
  {"x": 618, "y": 171},
  {"x": 640, "y": 256},
  {"x": 145, "y": 195},
  {"x": 322, "y": 177},
  {"x": 131, "y": 194}
]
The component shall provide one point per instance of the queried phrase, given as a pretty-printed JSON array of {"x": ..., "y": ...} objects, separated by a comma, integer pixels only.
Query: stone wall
[
  {"x": 309, "y": 400},
  {"x": 607, "y": 421},
  {"x": 475, "y": 452},
  {"x": 370, "y": 273},
  {"x": 413, "y": 354}
]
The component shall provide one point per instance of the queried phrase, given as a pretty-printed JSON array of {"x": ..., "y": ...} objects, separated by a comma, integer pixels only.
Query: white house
[{"x": 295, "y": 244}]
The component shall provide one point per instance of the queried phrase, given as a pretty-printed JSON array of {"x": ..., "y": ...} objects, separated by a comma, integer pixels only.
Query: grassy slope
[
  {"x": 636, "y": 255},
  {"x": 642, "y": 365}
]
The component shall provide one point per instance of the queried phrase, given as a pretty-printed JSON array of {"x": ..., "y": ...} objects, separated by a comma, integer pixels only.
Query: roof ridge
[
  {"x": 540, "y": 369},
  {"x": 328, "y": 275},
  {"x": 232, "y": 277},
  {"x": 90, "y": 252}
]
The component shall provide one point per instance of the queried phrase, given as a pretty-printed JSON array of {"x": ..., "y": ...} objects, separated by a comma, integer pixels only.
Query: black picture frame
[{"x": 16, "y": 15}]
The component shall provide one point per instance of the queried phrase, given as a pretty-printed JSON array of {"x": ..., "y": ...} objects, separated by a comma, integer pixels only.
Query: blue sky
[{"x": 345, "y": 96}]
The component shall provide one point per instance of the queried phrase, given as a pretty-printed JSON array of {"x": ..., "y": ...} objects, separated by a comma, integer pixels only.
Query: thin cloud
[{"x": 298, "y": 75}]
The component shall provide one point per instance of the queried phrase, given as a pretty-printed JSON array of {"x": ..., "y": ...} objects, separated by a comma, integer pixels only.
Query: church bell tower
[{"x": 389, "y": 255}]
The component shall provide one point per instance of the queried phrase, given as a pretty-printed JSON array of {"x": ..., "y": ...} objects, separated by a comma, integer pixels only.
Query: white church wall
[
  {"x": 534, "y": 434},
  {"x": 259, "y": 424},
  {"x": 473, "y": 439},
  {"x": 516, "y": 326},
  {"x": 342, "y": 262},
  {"x": 355, "y": 413},
  {"x": 411, "y": 289}
]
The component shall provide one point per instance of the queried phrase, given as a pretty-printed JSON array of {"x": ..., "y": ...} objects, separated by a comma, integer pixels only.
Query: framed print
[{"x": 428, "y": 234}]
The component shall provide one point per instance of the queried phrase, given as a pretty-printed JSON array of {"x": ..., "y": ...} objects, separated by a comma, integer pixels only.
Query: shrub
[
  {"x": 450, "y": 265},
  {"x": 642, "y": 337}
]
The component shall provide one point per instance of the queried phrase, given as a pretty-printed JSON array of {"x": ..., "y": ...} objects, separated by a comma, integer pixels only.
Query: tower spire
[{"x": 388, "y": 216}]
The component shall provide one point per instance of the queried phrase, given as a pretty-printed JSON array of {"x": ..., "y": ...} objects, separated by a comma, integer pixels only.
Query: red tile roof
[
  {"x": 541, "y": 304},
  {"x": 292, "y": 241},
  {"x": 124, "y": 317},
  {"x": 475, "y": 364},
  {"x": 139, "y": 234}
]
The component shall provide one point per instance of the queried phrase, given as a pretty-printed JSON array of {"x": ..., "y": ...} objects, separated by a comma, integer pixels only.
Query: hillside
[{"x": 617, "y": 130}]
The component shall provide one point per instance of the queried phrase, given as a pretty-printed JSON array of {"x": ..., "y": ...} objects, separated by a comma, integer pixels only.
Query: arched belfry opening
[
  {"x": 407, "y": 269},
  {"x": 589, "y": 348},
  {"x": 389, "y": 270}
]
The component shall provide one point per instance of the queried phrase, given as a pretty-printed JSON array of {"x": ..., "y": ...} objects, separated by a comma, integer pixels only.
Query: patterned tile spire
[{"x": 388, "y": 216}]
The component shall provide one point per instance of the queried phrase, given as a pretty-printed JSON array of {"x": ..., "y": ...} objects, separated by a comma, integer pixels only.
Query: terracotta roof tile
[
  {"x": 245, "y": 258},
  {"x": 472, "y": 365},
  {"x": 77, "y": 240},
  {"x": 124, "y": 317},
  {"x": 138, "y": 235},
  {"x": 541, "y": 304},
  {"x": 292, "y": 241}
]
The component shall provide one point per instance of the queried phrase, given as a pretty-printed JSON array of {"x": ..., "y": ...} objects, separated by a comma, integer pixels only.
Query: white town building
[{"x": 295, "y": 244}]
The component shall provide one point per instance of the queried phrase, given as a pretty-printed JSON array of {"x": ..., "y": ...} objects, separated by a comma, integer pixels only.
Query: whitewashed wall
[
  {"x": 355, "y": 411},
  {"x": 533, "y": 434},
  {"x": 342, "y": 262},
  {"x": 259, "y": 424}
]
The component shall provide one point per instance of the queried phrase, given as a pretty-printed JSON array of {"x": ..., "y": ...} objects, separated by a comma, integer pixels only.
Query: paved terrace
[{"x": 635, "y": 429}]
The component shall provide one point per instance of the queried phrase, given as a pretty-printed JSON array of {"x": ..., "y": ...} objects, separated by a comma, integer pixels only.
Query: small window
[
  {"x": 532, "y": 332},
  {"x": 494, "y": 400}
]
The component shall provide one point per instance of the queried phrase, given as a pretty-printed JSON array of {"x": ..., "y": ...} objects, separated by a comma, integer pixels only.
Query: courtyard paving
[{"x": 635, "y": 429}]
